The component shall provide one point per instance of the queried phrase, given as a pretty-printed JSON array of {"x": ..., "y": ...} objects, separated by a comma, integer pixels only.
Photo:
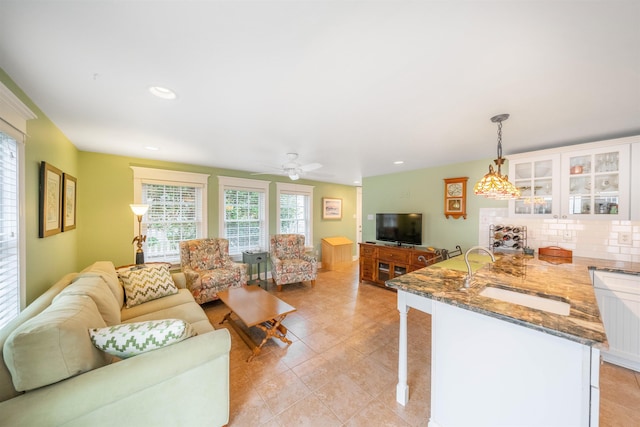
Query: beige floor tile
[
  {"x": 316, "y": 372},
  {"x": 376, "y": 414},
  {"x": 309, "y": 411},
  {"x": 282, "y": 391},
  {"x": 249, "y": 410},
  {"x": 343, "y": 396}
]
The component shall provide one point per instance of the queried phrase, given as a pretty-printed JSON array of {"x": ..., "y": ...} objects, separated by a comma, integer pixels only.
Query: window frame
[
  {"x": 14, "y": 115},
  {"x": 243, "y": 184},
  {"x": 145, "y": 175},
  {"x": 297, "y": 189}
]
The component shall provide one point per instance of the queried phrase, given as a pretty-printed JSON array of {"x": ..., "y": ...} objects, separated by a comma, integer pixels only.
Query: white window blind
[
  {"x": 174, "y": 215},
  {"x": 244, "y": 213},
  {"x": 9, "y": 230},
  {"x": 177, "y": 210}
]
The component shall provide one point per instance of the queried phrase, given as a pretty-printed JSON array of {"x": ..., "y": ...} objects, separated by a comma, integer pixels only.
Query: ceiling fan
[{"x": 294, "y": 169}]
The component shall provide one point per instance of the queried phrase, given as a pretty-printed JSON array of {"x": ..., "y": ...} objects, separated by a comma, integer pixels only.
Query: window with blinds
[
  {"x": 174, "y": 215},
  {"x": 295, "y": 210},
  {"x": 244, "y": 213},
  {"x": 244, "y": 223},
  {"x": 294, "y": 214},
  {"x": 177, "y": 210},
  {"x": 9, "y": 228}
]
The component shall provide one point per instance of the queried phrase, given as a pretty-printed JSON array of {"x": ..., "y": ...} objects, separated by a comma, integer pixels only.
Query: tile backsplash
[{"x": 612, "y": 240}]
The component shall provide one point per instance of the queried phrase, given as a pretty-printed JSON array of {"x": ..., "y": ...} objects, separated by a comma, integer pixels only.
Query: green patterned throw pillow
[
  {"x": 131, "y": 339},
  {"x": 147, "y": 283}
]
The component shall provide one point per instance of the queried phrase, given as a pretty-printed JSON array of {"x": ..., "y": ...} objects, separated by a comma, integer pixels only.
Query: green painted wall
[
  {"x": 423, "y": 191},
  {"x": 105, "y": 191},
  {"x": 48, "y": 259}
]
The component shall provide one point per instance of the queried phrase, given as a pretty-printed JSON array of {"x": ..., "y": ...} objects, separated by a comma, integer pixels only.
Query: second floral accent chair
[
  {"x": 209, "y": 269},
  {"x": 289, "y": 262}
]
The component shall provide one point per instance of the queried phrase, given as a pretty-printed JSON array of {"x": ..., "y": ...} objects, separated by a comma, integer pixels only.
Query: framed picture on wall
[
  {"x": 50, "y": 200},
  {"x": 331, "y": 208},
  {"x": 68, "y": 202}
]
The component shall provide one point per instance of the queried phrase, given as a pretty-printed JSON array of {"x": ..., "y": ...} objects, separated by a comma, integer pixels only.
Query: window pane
[
  {"x": 174, "y": 214},
  {"x": 9, "y": 261},
  {"x": 294, "y": 214},
  {"x": 244, "y": 220}
]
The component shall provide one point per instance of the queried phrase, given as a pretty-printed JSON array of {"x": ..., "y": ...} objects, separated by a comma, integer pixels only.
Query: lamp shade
[
  {"x": 496, "y": 186},
  {"x": 139, "y": 209}
]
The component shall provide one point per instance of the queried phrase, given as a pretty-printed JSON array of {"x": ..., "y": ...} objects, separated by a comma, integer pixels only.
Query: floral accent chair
[
  {"x": 209, "y": 269},
  {"x": 289, "y": 263}
]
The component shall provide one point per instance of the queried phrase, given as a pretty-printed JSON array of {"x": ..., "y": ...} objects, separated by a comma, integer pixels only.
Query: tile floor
[{"x": 341, "y": 369}]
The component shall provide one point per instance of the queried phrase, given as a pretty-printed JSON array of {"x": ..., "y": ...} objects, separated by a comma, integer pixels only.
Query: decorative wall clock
[{"x": 455, "y": 197}]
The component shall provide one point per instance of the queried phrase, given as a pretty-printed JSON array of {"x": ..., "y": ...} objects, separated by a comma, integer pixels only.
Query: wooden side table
[{"x": 254, "y": 257}]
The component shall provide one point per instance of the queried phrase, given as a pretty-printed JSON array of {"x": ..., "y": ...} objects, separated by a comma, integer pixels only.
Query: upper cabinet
[
  {"x": 587, "y": 181},
  {"x": 596, "y": 183},
  {"x": 538, "y": 179}
]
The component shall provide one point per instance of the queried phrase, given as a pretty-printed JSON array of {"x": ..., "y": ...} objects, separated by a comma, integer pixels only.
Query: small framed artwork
[
  {"x": 50, "y": 200},
  {"x": 331, "y": 208},
  {"x": 69, "y": 186}
]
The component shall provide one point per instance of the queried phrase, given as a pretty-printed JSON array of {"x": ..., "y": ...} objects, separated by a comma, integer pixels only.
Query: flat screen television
[{"x": 399, "y": 228}]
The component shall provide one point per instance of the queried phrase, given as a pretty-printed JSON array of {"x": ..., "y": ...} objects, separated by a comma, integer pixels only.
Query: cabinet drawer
[
  {"x": 394, "y": 255},
  {"x": 368, "y": 251}
]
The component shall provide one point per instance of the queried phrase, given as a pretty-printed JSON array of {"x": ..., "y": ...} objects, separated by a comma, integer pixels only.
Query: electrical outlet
[
  {"x": 566, "y": 235},
  {"x": 624, "y": 238}
]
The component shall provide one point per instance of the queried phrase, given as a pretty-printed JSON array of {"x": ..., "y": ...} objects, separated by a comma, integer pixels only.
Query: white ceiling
[{"x": 353, "y": 85}]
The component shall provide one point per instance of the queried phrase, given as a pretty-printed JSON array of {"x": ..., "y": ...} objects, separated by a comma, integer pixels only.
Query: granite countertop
[{"x": 568, "y": 281}]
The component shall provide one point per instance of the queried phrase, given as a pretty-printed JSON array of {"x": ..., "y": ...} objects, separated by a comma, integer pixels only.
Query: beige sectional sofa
[{"x": 52, "y": 375}]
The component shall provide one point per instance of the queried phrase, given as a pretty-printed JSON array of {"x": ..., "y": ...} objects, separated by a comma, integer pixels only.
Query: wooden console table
[{"x": 379, "y": 263}]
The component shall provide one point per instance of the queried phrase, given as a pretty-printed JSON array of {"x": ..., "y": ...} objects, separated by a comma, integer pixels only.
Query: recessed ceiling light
[
  {"x": 356, "y": 182},
  {"x": 162, "y": 92},
  {"x": 150, "y": 148},
  {"x": 398, "y": 162}
]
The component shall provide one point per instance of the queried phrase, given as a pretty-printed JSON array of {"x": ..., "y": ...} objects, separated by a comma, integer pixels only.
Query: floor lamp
[{"x": 139, "y": 211}]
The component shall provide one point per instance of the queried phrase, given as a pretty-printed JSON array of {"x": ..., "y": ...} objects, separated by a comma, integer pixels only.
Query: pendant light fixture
[{"x": 494, "y": 185}]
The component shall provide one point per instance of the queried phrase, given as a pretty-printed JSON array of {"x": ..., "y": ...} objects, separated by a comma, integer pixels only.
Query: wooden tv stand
[{"x": 379, "y": 263}]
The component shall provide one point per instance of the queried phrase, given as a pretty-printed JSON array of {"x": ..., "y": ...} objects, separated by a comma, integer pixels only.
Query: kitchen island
[{"x": 495, "y": 362}]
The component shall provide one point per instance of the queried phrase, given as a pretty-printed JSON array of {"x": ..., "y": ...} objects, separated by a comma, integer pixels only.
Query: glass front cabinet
[
  {"x": 588, "y": 181},
  {"x": 537, "y": 178},
  {"x": 596, "y": 182}
]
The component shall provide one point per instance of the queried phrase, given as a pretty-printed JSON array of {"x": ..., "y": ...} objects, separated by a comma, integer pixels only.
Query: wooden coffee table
[{"x": 256, "y": 307}]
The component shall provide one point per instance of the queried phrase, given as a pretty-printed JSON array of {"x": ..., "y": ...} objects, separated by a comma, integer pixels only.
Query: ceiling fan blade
[{"x": 310, "y": 167}]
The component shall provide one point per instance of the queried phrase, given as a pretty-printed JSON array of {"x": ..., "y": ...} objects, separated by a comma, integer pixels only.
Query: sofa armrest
[
  {"x": 183, "y": 384},
  {"x": 180, "y": 279}
]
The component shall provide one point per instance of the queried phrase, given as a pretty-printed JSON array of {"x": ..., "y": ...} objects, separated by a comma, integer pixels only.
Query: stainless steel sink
[{"x": 532, "y": 301}]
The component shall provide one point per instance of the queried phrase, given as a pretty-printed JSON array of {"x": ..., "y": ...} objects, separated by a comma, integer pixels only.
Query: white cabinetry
[
  {"x": 488, "y": 372},
  {"x": 538, "y": 180},
  {"x": 618, "y": 298},
  {"x": 595, "y": 182},
  {"x": 586, "y": 181}
]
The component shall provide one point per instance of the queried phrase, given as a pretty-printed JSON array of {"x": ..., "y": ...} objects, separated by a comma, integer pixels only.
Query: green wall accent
[
  {"x": 422, "y": 191},
  {"x": 49, "y": 258}
]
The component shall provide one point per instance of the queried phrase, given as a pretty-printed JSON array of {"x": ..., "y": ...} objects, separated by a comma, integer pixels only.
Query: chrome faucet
[{"x": 467, "y": 281}]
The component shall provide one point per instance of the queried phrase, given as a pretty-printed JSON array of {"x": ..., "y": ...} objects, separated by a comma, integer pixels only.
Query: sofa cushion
[
  {"x": 107, "y": 271},
  {"x": 147, "y": 283},
  {"x": 131, "y": 339},
  {"x": 96, "y": 288},
  {"x": 55, "y": 344}
]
